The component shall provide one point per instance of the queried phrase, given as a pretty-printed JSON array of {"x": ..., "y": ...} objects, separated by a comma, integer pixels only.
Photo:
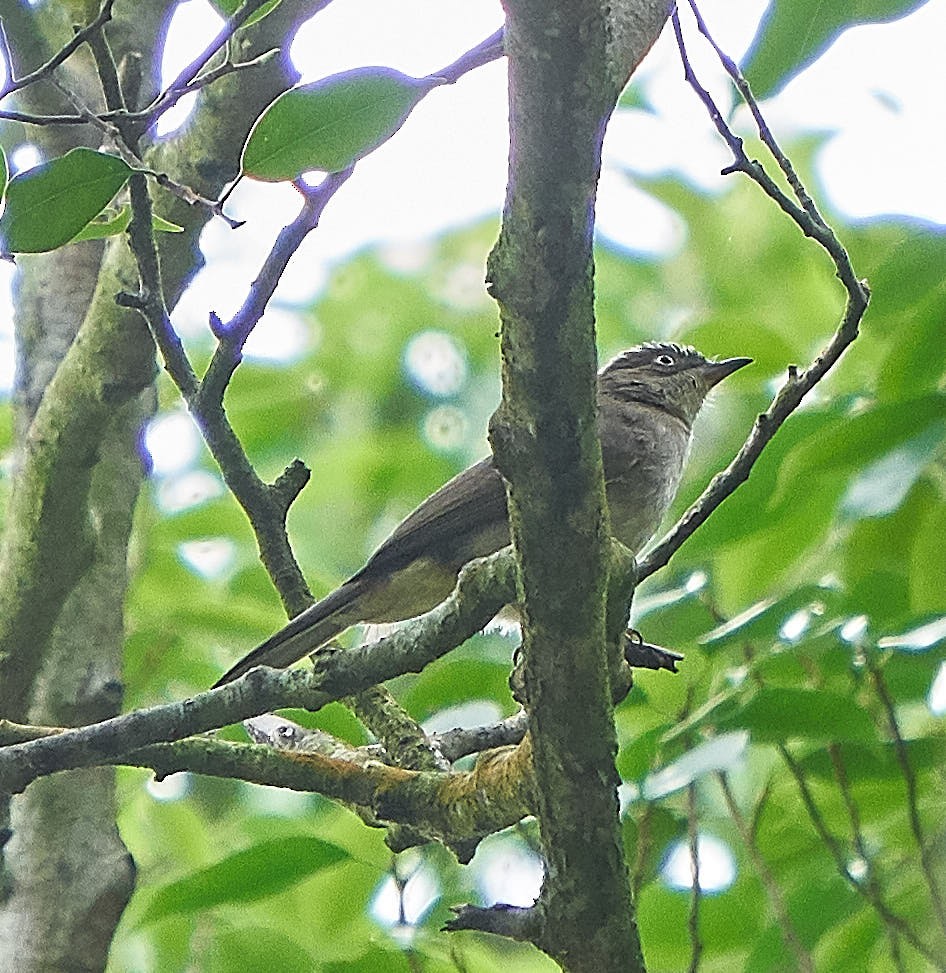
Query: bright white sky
[{"x": 879, "y": 90}]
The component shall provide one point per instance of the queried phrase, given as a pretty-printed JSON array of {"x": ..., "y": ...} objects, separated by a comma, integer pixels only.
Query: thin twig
[
  {"x": 742, "y": 85},
  {"x": 909, "y": 781},
  {"x": 696, "y": 891},
  {"x": 799, "y": 383},
  {"x": 891, "y": 919},
  {"x": 233, "y": 334},
  {"x": 790, "y": 935},
  {"x": 454, "y": 744},
  {"x": 181, "y": 85},
  {"x": 26, "y": 118},
  {"x": 66, "y": 51},
  {"x": 228, "y": 67},
  {"x": 860, "y": 846},
  {"x": 488, "y": 50}
]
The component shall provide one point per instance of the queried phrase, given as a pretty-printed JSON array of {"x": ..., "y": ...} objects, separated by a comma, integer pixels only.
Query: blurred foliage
[
  {"x": 793, "y": 33},
  {"x": 779, "y": 604}
]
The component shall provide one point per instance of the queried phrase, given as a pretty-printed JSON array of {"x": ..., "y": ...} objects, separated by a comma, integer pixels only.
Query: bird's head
[{"x": 672, "y": 377}]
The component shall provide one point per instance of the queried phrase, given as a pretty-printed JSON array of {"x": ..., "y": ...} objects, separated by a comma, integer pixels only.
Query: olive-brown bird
[{"x": 647, "y": 400}]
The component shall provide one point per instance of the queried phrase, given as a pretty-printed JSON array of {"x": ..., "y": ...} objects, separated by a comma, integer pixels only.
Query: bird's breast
[{"x": 644, "y": 450}]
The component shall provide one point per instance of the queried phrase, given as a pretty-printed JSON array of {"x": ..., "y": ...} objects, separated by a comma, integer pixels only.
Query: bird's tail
[{"x": 305, "y": 633}]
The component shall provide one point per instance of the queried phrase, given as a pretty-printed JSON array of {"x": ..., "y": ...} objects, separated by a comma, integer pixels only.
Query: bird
[{"x": 647, "y": 400}]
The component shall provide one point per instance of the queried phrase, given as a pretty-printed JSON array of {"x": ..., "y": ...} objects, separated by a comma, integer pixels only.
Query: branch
[
  {"x": 284, "y": 734},
  {"x": 232, "y": 335},
  {"x": 798, "y": 383},
  {"x": 483, "y": 588},
  {"x": 488, "y": 50},
  {"x": 457, "y": 808},
  {"x": 27, "y": 118},
  {"x": 790, "y": 935},
  {"x": 454, "y": 744},
  {"x": 184, "y": 81},
  {"x": 266, "y": 506},
  {"x": 65, "y": 52},
  {"x": 909, "y": 780}
]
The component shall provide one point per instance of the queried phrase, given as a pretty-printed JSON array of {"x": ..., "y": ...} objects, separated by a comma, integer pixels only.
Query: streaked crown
[{"x": 672, "y": 377}]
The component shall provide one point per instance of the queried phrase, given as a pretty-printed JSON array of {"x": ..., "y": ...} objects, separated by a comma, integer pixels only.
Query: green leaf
[
  {"x": 105, "y": 226},
  {"x": 764, "y": 620},
  {"x": 850, "y": 441},
  {"x": 229, "y": 7},
  {"x": 248, "y": 875},
  {"x": 722, "y": 752},
  {"x": 377, "y": 959},
  {"x": 774, "y": 715},
  {"x": 253, "y": 948},
  {"x": 880, "y": 487},
  {"x": 48, "y": 205},
  {"x": 331, "y": 123},
  {"x": 793, "y": 33},
  {"x": 877, "y": 761}
]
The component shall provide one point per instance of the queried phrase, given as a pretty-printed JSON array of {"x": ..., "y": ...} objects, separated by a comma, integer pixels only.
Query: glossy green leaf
[
  {"x": 48, "y": 205},
  {"x": 793, "y": 33},
  {"x": 117, "y": 223},
  {"x": 247, "y": 875},
  {"x": 229, "y": 7},
  {"x": 330, "y": 124},
  {"x": 779, "y": 714}
]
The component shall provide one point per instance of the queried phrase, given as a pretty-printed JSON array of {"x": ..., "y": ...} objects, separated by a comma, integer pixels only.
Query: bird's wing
[{"x": 464, "y": 519}]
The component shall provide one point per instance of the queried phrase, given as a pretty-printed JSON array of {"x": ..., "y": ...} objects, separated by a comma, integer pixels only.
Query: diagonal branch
[
  {"x": 483, "y": 588},
  {"x": 799, "y": 383},
  {"x": 64, "y": 53}
]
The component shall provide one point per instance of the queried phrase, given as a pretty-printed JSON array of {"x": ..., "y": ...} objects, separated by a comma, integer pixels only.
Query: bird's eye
[{"x": 664, "y": 360}]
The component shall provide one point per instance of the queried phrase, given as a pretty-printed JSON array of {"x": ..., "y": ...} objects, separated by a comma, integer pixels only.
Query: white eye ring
[{"x": 665, "y": 360}]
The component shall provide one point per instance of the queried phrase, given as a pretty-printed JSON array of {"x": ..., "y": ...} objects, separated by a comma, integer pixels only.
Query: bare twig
[
  {"x": 909, "y": 781},
  {"x": 799, "y": 383},
  {"x": 831, "y": 842},
  {"x": 803, "y": 958},
  {"x": 26, "y": 118},
  {"x": 185, "y": 79},
  {"x": 454, "y": 744},
  {"x": 233, "y": 334},
  {"x": 742, "y": 85},
  {"x": 65, "y": 52},
  {"x": 228, "y": 67},
  {"x": 860, "y": 846},
  {"x": 488, "y": 50},
  {"x": 696, "y": 891},
  {"x": 193, "y": 198}
]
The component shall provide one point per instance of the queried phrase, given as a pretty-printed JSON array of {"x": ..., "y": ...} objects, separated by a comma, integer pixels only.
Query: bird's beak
[{"x": 715, "y": 371}]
